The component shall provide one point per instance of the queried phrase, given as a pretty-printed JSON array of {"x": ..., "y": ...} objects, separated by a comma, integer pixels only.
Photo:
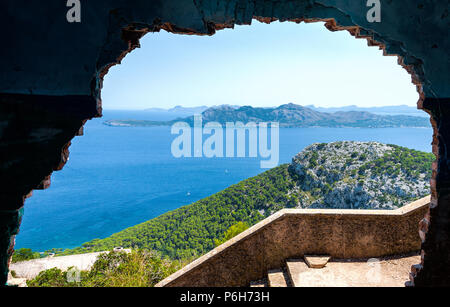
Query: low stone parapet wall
[{"x": 292, "y": 233}]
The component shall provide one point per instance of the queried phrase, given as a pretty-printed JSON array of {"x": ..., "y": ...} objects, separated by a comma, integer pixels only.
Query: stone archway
[{"x": 45, "y": 103}]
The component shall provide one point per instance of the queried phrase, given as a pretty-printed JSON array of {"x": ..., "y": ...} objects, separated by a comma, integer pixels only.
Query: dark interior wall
[
  {"x": 51, "y": 76},
  {"x": 66, "y": 56}
]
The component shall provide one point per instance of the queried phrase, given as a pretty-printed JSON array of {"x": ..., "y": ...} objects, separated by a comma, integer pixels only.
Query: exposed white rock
[{"x": 358, "y": 175}]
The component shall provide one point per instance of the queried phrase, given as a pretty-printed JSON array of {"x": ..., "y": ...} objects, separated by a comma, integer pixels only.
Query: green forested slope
[
  {"x": 335, "y": 175},
  {"x": 190, "y": 230}
]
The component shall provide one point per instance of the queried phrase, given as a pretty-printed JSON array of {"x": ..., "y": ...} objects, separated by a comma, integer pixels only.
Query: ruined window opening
[{"x": 66, "y": 167}]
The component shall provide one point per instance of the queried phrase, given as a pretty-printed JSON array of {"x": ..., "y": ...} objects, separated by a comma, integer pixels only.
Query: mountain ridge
[
  {"x": 289, "y": 116},
  {"x": 384, "y": 110}
]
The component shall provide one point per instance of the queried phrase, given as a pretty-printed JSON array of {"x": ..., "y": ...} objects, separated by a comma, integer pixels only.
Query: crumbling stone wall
[{"x": 52, "y": 71}]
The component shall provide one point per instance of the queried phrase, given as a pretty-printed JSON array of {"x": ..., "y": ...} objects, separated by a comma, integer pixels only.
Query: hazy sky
[{"x": 258, "y": 65}]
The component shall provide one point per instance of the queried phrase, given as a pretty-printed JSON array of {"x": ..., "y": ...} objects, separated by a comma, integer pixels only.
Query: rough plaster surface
[{"x": 416, "y": 30}]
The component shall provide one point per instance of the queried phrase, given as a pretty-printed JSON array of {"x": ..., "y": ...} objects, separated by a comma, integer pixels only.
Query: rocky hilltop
[
  {"x": 360, "y": 175},
  {"x": 337, "y": 175}
]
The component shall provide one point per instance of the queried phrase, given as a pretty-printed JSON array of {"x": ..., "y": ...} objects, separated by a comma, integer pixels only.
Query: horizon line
[{"x": 244, "y": 105}]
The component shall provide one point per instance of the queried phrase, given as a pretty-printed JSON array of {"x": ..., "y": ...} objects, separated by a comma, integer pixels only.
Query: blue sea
[{"x": 117, "y": 177}]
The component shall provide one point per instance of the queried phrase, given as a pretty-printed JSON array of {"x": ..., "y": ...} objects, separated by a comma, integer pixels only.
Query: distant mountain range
[
  {"x": 388, "y": 110},
  {"x": 179, "y": 109},
  {"x": 187, "y": 110},
  {"x": 289, "y": 115}
]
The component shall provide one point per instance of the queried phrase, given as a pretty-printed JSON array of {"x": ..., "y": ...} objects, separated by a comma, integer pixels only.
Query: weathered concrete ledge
[
  {"x": 293, "y": 233},
  {"x": 29, "y": 269}
]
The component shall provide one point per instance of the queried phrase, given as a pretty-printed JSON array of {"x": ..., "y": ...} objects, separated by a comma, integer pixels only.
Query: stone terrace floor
[{"x": 376, "y": 272}]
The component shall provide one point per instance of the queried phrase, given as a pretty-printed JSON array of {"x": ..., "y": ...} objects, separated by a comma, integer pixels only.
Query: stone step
[
  {"x": 277, "y": 278},
  {"x": 295, "y": 268},
  {"x": 315, "y": 261},
  {"x": 259, "y": 283}
]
